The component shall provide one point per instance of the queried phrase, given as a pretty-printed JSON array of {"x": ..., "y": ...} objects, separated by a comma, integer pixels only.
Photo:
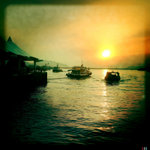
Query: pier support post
[{"x": 34, "y": 65}]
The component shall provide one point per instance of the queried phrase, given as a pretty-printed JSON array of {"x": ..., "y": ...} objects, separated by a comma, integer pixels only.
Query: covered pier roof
[{"x": 13, "y": 49}]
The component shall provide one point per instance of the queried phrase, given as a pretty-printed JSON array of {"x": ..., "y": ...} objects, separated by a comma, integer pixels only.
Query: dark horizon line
[{"x": 105, "y": 68}]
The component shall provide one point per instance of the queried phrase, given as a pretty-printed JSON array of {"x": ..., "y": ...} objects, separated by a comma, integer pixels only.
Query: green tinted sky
[{"x": 69, "y": 33}]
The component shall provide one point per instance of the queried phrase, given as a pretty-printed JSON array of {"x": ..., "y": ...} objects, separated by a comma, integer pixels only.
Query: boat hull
[
  {"x": 112, "y": 79},
  {"x": 77, "y": 76},
  {"x": 57, "y": 71}
]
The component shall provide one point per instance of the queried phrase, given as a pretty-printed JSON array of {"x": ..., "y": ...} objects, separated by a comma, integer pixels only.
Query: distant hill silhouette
[{"x": 51, "y": 63}]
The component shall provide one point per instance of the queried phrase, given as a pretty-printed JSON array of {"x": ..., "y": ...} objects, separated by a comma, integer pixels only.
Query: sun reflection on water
[
  {"x": 104, "y": 92},
  {"x": 104, "y": 72}
]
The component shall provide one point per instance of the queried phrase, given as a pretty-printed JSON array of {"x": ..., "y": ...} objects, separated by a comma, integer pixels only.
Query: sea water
[{"x": 87, "y": 111}]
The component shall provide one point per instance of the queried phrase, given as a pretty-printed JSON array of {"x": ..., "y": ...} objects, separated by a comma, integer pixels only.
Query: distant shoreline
[
  {"x": 115, "y": 68},
  {"x": 139, "y": 69}
]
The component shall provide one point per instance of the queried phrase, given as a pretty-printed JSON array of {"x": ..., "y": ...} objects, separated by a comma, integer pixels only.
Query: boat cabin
[
  {"x": 112, "y": 76},
  {"x": 79, "y": 72}
]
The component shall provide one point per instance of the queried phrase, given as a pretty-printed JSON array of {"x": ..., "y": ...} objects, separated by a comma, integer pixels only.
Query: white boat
[{"x": 79, "y": 72}]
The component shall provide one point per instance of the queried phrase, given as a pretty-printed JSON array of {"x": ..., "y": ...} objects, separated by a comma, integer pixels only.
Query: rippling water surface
[{"x": 87, "y": 111}]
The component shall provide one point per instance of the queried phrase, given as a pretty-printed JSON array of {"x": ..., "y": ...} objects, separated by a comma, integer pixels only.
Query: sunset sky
[{"x": 70, "y": 34}]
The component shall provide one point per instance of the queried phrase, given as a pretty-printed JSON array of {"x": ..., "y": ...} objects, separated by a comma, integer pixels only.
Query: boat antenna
[{"x": 81, "y": 61}]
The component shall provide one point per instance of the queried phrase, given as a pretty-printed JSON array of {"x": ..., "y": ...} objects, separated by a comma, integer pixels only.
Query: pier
[{"x": 14, "y": 70}]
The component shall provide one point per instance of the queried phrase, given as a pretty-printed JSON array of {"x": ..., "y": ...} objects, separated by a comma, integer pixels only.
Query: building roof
[{"x": 13, "y": 48}]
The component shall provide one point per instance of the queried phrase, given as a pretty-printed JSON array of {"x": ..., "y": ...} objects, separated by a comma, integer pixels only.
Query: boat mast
[{"x": 81, "y": 61}]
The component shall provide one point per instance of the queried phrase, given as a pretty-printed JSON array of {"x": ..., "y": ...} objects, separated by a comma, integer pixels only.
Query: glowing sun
[{"x": 106, "y": 53}]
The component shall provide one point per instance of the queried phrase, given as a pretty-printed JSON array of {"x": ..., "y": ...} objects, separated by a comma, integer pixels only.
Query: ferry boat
[
  {"x": 57, "y": 69},
  {"x": 112, "y": 76},
  {"x": 79, "y": 72}
]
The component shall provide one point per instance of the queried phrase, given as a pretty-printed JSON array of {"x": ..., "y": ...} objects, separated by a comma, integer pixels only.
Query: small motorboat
[
  {"x": 57, "y": 69},
  {"x": 112, "y": 76},
  {"x": 79, "y": 72}
]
